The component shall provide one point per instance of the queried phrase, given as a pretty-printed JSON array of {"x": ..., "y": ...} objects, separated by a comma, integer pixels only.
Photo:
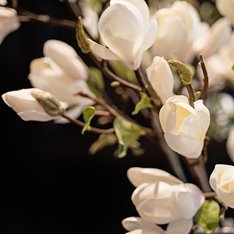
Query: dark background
[{"x": 49, "y": 182}]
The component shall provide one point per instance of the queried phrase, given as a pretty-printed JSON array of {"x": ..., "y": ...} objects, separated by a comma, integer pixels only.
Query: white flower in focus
[
  {"x": 226, "y": 8},
  {"x": 66, "y": 58},
  {"x": 46, "y": 75},
  {"x": 222, "y": 181},
  {"x": 184, "y": 127},
  {"x": 9, "y": 22},
  {"x": 161, "y": 78},
  {"x": 126, "y": 31},
  {"x": 230, "y": 144},
  {"x": 161, "y": 198},
  {"x": 137, "y": 225},
  {"x": 178, "y": 25},
  {"x": 27, "y": 107}
]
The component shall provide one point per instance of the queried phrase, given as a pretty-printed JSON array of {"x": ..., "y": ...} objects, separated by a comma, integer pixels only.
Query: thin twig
[
  {"x": 27, "y": 16},
  {"x": 91, "y": 129},
  {"x": 206, "y": 78},
  {"x": 113, "y": 76}
]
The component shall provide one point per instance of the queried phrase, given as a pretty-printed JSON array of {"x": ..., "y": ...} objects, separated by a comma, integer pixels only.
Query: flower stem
[{"x": 206, "y": 78}]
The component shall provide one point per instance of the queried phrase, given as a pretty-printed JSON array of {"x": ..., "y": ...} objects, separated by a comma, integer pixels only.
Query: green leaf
[
  {"x": 88, "y": 114},
  {"x": 123, "y": 71},
  {"x": 127, "y": 134},
  {"x": 104, "y": 140},
  {"x": 185, "y": 71},
  {"x": 208, "y": 216},
  {"x": 145, "y": 102},
  {"x": 96, "y": 82}
]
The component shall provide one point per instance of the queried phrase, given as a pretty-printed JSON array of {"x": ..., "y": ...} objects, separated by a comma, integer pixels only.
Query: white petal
[
  {"x": 138, "y": 175},
  {"x": 33, "y": 115},
  {"x": 132, "y": 223},
  {"x": 230, "y": 144},
  {"x": 66, "y": 58},
  {"x": 140, "y": 4},
  {"x": 184, "y": 145},
  {"x": 203, "y": 113},
  {"x": 180, "y": 226},
  {"x": 161, "y": 78},
  {"x": 102, "y": 51},
  {"x": 225, "y": 7},
  {"x": 121, "y": 28}
]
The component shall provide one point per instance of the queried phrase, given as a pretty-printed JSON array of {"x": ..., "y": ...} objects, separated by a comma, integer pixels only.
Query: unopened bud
[
  {"x": 185, "y": 71},
  {"x": 81, "y": 37},
  {"x": 49, "y": 103}
]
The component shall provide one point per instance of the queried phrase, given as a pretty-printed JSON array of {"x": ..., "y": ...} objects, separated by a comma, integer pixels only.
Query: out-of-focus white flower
[
  {"x": 184, "y": 127},
  {"x": 210, "y": 39},
  {"x": 178, "y": 25},
  {"x": 137, "y": 225},
  {"x": 226, "y": 8},
  {"x": 230, "y": 144},
  {"x": 27, "y": 107},
  {"x": 3, "y": 2},
  {"x": 126, "y": 31},
  {"x": 222, "y": 181},
  {"x": 161, "y": 198},
  {"x": 9, "y": 22},
  {"x": 219, "y": 65},
  {"x": 66, "y": 58},
  {"x": 161, "y": 78},
  {"x": 46, "y": 75}
]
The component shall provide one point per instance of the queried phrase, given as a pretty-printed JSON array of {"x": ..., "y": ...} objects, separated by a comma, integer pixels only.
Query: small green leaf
[
  {"x": 88, "y": 114},
  {"x": 233, "y": 67},
  {"x": 208, "y": 216},
  {"x": 127, "y": 133},
  {"x": 145, "y": 102},
  {"x": 96, "y": 82},
  {"x": 104, "y": 140},
  {"x": 185, "y": 71}
]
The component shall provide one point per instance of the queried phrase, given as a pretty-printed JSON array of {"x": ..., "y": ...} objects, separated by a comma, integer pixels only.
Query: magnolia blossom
[
  {"x": 137, "y": 225},
  {"x": 66, "y": 58},
  {"x": 9, "y": 21},
  {"x": 230, "y": 144},
  {"x": 27, "y": 107},
  {"x": 178, "y": 25},
  {"x": 161, "y": 198},
  {"x": 210, "y": 39},
  {"x": 63, "y": 74},
  {"x": 184, "y": 127},
  {"x": 126, "y": 31},
  {"x": 161, "y": 78},
  {"x": 226, "y": 8},
  {"x": 221, "y": 181}
]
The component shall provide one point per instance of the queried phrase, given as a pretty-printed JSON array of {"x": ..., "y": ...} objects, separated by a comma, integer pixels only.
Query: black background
[{"x": 49, "y": 182}]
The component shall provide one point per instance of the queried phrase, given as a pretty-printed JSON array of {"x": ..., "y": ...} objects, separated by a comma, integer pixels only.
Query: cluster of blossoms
[{"x": 158, "y": 47}]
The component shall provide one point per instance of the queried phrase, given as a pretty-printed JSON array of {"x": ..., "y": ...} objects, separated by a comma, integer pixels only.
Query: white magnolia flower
[
  {"x": 126, "y": 31},
  {"x": 161, "y": 78},
  {"x": 26, "y": 106},
  {"x": 178, "y": 25},
  {"x": 226, "y": 8},
  {"x": 184, "y": 127},
  {"x": 137, "y": 225},
  {"x": 9, "y": 22},
  {"x": 66, "y": 58},
  {"x": 219, "y": 65},
  {"x": 210, "y": 38},
  {"x": 46, "y": 75},
  {"x": 230, "y": 144},
  {"x": 161, "y": 198},
  {"x": 221, "y": 181}
]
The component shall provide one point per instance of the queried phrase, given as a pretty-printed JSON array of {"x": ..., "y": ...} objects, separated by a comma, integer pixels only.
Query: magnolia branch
[
  {"x": 91, "y": 129},
  {"x": 27, "y": 16}
]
